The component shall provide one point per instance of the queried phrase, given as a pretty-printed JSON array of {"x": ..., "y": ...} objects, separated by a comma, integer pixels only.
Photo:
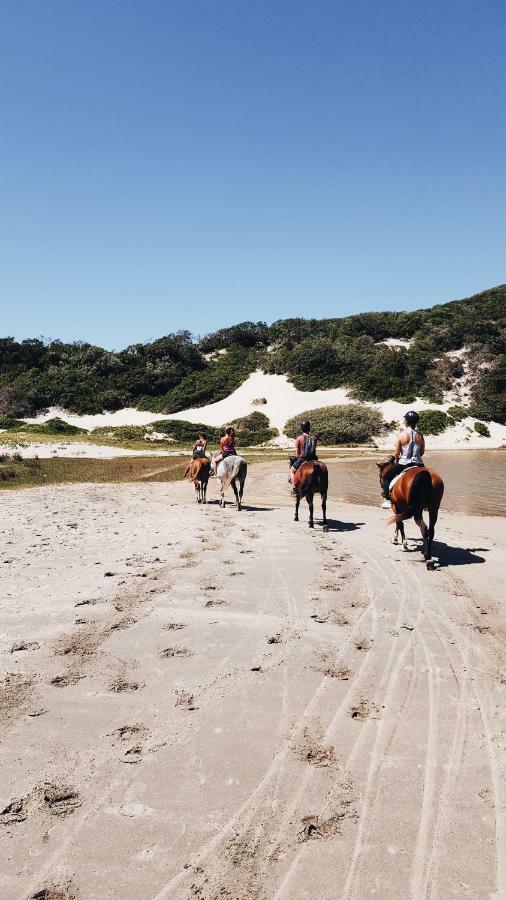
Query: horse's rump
[
  {"x": 230, "y": 468},
  {"x": 199, "y": 469},
  {"x": 414, "y": 491},
  {"x": 311, "y": 476}
]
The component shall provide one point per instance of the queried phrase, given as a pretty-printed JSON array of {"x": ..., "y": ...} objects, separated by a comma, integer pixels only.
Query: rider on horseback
[
  {"x": 409, "y": 450},
  {"x": 199, "y": 447},
  {"x": 227, "y": 448},
  {"x": 305, "y": 448}
]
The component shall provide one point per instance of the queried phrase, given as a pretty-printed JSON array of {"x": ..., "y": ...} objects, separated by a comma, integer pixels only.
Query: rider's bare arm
[{"x": 398, "y": 446}]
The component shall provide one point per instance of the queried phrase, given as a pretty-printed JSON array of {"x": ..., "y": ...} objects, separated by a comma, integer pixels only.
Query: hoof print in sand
[
  {"x": 363, "y": 644},
  {"x": 312, "y": 748},
  {"x": 14, "y": 812},
  {"x": 314, "y": 827},
  {"x": 54, "y": 892},
  {"x": 342, "y": 673},
  {"x": 364, "y": 710},
  {"x": 133, "y": 755},
  {"x": 210, "y": 603},
  {"x": 171, "y": 652},
  {"x": 125, "y": 732},
  {"x": 173, "y": 626},
  {"x": 24, "y": 645},
  {"x": 66, "y": 679},
  {"x": 185, "y": 700},
  {"x": 120, "y": 685},
  {"x": 61, "y": 800},
  {"x": 275, "y": 639}
]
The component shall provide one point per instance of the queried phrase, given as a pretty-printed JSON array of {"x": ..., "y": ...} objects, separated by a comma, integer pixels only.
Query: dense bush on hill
[
  {"x": 434, "y": 421},
  {"x": 482, "y": 429},
  {"x": 458, "y": 412},
  {"x": 176, "y": 372},
  {"x": 350, "y": 423}
]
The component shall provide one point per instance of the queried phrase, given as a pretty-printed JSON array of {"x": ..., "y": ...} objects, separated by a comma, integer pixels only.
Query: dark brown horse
[
  {"x": 419, "y": 488},
  {"x": 197, "y": 471},
  {"x": 311, "y": 478}
]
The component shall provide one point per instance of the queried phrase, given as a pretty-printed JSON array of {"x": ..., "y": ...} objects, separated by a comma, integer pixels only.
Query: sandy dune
[{"x": 197, "y": 703}]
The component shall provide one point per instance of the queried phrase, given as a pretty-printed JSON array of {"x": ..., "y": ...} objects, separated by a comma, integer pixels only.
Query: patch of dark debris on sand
[
  {"x": 61, "y": 800},
  {"x": 173, "y": 626},
  {"x": 133, "y": 754},
  {"x": 125, "y": 732}
]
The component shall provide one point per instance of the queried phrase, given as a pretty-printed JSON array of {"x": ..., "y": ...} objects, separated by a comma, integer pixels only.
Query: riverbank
[{"x": 201, "y": 703}]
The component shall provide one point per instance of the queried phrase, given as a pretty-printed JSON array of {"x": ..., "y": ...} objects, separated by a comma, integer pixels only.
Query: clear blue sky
[{"x": 187, "y": 164}]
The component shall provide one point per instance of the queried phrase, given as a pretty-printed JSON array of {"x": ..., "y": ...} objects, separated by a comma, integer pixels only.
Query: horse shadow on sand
[
  {"x": 337, "y": 525},
  {"x": 447, "y": 555}
]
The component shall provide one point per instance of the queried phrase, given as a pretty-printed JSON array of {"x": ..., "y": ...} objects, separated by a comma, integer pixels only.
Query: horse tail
[
  {"x": 187, "y": 470},
  {"x": 418, "y": 498}
]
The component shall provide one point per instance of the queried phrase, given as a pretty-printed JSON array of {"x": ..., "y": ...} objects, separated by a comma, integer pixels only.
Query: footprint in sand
[
  {"x": 363, "y": 644},
  {"x": 174, "y": 626},
  {"x": 210, "y": 603},
  {"x": 66, "y": 679}
]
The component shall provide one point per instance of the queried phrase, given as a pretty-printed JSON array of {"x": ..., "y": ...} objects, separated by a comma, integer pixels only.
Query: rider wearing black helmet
[
  {"x": 305, "y": 447},
  {"x": 409, "y": 450}
]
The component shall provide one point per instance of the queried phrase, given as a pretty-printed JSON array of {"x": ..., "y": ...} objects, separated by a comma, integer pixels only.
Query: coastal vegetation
[
  {"x": 345, "y": 424},
  {"x": 432, "y": 349}
]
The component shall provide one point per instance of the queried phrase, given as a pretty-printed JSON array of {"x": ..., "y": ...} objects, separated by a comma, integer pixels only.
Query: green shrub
[
  {"x": 458, "y": 412},
  {"x": 122, "y": 432},
  {"x": 349, "y": 423},
  {"x": 254, "y": 429},
  {"x": 482, "y": 429},
  {"x": 186, "y": 432},
  {"x": 54, "y": 426},
  {"x": 433, "y": 421},
  {"x": 7, "y": 423}
]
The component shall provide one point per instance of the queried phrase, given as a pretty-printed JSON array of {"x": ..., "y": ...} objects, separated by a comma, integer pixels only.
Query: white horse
[{"x": 232, "y": 470}]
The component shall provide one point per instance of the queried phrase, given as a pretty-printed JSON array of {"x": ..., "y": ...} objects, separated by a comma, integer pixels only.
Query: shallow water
[{"x": 475, "y": 480}]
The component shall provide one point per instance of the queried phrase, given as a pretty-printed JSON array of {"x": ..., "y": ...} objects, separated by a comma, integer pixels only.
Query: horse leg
[
  {"x": 423, "y": 528},
  {"x": 222, "y": 494},
  {"x": 310, "y": 503},
  {"x": 433, "y": 513},
  {"x": 204, "y": 492},
  {"x": 324, "y": 512},
  {"x": 197, "y": 491},
  {"x": 241, "y": 491},
  {"x": 237, "y": 500},
  {"x": 297, "y": 504},
  {"x": 403, "y": 536}
]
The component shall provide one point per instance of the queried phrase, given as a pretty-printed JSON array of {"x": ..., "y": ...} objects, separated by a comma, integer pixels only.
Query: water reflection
[{"x": 474, "y": 480}]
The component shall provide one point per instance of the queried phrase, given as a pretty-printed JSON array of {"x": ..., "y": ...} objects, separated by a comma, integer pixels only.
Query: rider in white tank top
[{"x": 410, "y": 452}]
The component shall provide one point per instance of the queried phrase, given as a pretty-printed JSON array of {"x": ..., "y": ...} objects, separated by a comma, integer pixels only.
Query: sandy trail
[{"x": 197, "y": 703}]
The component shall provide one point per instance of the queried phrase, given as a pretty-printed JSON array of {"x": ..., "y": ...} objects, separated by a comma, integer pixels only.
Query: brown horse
[
  {"x": 197, "y": 471},
  {"x": 311, "y": 478},
  {"x": 418, "y": 489}
]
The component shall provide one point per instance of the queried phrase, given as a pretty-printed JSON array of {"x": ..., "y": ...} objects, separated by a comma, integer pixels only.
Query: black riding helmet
[
  {"x": 411, "y": 417},
  {"x": 305, "y": 426}
]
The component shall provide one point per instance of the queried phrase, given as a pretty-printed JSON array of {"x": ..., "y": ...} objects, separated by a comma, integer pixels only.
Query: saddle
[{"x": 401, "y": 474}]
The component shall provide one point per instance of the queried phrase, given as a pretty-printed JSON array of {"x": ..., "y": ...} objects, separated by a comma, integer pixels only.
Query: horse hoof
[
  {"x": 325, "y": 528},
  {"x": 395, "y": 540},
  {"x": 430, "y": 564},
  {"x": 405, "y": 545},
  {"x": 311, "y": 525}
]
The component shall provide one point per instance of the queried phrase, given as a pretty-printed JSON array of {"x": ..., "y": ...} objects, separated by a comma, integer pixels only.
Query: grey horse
[{"x": 232, "y": 470}]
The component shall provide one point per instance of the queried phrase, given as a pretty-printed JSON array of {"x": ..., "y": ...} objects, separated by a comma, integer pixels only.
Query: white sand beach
[{"x": 201, "y": 703}]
